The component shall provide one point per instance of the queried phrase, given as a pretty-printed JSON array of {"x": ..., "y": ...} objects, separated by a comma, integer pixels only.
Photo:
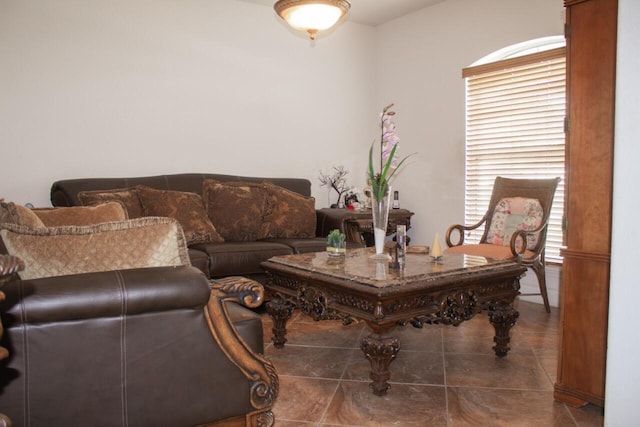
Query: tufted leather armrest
[
  {"x": 104, "y": 294},
  {"x": 103, "y": 349}
]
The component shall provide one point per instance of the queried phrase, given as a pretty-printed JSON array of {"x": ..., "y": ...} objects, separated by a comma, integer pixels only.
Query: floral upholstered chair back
[
  {"x": 519, "y": 204},
  {"x": 512, "y": 214}
]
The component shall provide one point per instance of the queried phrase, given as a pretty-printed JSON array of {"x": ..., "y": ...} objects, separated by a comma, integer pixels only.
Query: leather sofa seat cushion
[
  {"x": 58, "y": 251},
  {"x": 127, "y": 196},
  {"x": 240, "y": 258},
  {"x": 12, "y": 213},
  {"x": 200, "y": 260},
  {"x": 288, "y": 214},
  {"x": 235, "y": 208},
  {"x": 82, "y": 215},
  {"x": 301, "y": 246},
  {"x": 187, "y": 208},
  {"x": 248, "y": 324}
]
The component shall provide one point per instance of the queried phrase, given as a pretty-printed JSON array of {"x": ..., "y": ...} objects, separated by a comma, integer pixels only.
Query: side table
[{"x": 357, "y": 225}]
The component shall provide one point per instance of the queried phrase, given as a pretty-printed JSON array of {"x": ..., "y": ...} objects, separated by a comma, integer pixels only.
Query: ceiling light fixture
[{"x": 311, "y": 15}]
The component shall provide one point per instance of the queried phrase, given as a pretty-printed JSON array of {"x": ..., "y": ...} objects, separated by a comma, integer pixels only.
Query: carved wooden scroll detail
[
  {"x": 453, "y": 309},
  {"x": 257, "y": 369}
]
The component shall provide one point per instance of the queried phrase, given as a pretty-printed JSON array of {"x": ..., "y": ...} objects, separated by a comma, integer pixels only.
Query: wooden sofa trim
[{"x": 258, "y": 370}]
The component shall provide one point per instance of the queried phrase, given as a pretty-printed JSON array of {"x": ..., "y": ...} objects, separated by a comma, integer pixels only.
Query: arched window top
[{"x": 521, "y": 49}]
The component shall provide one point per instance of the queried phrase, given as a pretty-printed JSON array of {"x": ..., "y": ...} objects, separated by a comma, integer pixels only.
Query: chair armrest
[
  {"x": 518, "y": 241},
  {"x": 105, "y": 294},
  {"x": 461, "y": 229}
]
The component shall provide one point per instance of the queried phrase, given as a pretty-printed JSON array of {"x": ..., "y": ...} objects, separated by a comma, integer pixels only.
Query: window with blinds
[{"x": 515, "y": 110}]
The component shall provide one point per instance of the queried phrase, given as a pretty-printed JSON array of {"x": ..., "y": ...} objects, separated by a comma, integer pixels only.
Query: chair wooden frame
[{"x": 541, "y": 189}]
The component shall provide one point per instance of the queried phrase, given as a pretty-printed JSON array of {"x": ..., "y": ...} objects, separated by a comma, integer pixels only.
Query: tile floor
[{"x": 443, "y": 376}]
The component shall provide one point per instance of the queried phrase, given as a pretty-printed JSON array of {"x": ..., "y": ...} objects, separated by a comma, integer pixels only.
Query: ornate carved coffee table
[{"x": 448, "y": 291}]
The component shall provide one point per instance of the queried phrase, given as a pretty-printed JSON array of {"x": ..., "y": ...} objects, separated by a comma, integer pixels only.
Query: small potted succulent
[{"x": 336, "y": 244}]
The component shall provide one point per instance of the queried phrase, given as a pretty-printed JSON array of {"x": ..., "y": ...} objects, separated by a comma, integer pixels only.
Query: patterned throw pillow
[
  {"x": 187, "y": 208},
  {"x": 58, "y": 251},
  {"x": 288, "y": 214},
  {"x": 515, "y": 213},
  {"x": 127, "y": 196},
  {"x": 19, "y": 215},
  {"x": 235, "y": 208},
  {"x": 81, "y": 215}
]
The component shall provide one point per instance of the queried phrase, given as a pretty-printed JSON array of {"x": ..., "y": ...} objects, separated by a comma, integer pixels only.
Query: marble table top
[{"x": 357, "y": 266}]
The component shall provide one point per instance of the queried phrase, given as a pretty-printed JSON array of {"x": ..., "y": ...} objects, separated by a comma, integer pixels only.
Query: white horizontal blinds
[{"x": 515, "y": 128}]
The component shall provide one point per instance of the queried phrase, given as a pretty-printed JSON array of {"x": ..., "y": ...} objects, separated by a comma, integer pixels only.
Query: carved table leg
[
  {"x": 502, "y": 316},
  {"x": 280, "y": 313},
  {"x": 380, "y": 351}
]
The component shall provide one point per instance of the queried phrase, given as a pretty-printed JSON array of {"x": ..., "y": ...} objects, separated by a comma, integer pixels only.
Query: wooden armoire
[{"x": 591, "y": 64}]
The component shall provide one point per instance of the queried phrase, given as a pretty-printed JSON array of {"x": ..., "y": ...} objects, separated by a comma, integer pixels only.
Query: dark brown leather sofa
[
  {"x": 215, "y": 259},
  {"x": 141, "y": 347}
]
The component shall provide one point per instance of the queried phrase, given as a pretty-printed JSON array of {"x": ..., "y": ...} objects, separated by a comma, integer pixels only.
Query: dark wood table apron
[{"x": 448, "y": 291}]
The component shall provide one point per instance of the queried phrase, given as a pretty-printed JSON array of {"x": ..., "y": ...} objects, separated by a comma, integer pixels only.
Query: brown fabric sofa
[
  {"x": 142, "y": 347},
  {"x": 218, "y": 259}
]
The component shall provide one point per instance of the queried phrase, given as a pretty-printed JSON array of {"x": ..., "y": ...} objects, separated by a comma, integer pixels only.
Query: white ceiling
[{"x": 373, "y": 12}]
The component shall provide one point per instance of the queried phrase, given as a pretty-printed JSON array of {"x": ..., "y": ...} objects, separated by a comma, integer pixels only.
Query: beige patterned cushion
[
  {"x": 19, "y": 215},
  {"x": 81, "y": 215},
  {"x": 288, "y": 214},
  {"x": 127, "y": 196},
  {"x": 187, "y": 208},
  {"x": 515, "y": 213},
  {"x": 486, "y": 250},
  {"x": 235, "y": 208},
  {"x": 57, "y": 251}
]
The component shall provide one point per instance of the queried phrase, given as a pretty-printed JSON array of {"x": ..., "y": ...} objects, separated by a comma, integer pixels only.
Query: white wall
[
  {"x": 623, "y": 374},
  {"x": 144, "y": 87},
  {"x": 133, "y": 88},
  {"x": 420, "y": 60}
]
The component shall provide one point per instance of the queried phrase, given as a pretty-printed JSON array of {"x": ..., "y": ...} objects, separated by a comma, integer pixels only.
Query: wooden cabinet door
[{"x": 591, "y": 48}]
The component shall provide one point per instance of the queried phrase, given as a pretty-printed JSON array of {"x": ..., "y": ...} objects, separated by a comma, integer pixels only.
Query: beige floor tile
[
  {"x": 404, "y": 405},
  {"x": 303, "y": 399},
  {"x": 482, "y": 344},
  {"x": 408, "y": 367},
  {"x": 588, "y": 416},
  {"x": 508, "y": 408},
  {"x": 428, "y": 338},
  {"x": 303, "y": 361},
  {"x": 550, "y": 366},
  {"x": 513, "y": 371},
  {"x": 330, "y": 333},
  {"x": 442, "y": 376}
]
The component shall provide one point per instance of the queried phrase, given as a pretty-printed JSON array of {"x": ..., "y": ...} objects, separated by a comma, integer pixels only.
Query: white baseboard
[{"x": 529, "y": 285}]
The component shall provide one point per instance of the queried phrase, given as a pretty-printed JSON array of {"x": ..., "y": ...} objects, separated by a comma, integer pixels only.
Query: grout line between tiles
[{"x": 329, "y": 402}]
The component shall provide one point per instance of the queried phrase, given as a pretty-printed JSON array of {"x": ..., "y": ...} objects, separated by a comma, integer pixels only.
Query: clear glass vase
[{"x": 380, "y": 212}]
